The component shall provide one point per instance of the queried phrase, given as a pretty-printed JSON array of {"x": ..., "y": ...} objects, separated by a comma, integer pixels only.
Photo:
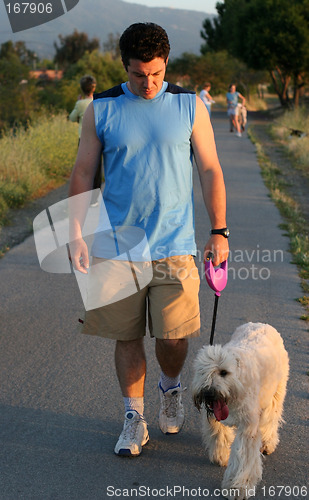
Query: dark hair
[
  {"x": 87, "y": 84},
  {"x": 143, "y": 41}
]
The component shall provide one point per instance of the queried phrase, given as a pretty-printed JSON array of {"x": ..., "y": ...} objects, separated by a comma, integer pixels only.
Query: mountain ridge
[{"x": 111, "y": 16}]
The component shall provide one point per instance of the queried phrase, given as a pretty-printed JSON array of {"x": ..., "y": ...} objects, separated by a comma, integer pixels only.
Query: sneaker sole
[
  {"x": 126, "y": 452},
  {"x": 172, "y": 431}
]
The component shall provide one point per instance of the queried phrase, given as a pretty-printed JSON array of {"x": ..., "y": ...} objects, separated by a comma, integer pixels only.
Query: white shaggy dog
[
  {"x": 242, "y": 115},
  {"x": 244, "y": 384}
]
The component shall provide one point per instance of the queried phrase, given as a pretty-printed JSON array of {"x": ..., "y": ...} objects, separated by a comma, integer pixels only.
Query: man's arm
[
  {"x": 88, "y": 156},
  {"x": 212, "y": 182}
]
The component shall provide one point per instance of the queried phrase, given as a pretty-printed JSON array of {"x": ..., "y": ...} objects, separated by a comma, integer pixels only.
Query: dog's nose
[{"x": 206, "y": 395}]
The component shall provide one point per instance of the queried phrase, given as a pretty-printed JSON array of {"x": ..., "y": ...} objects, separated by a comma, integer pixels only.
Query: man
[{"x": 148, "y": 129}]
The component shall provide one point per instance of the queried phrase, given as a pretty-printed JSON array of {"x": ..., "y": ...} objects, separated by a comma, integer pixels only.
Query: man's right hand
[{"x": 79, "y": 255}]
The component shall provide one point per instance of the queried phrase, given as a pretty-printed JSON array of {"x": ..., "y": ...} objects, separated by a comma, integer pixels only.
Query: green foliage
[
  {"x": 106, "y": 70},
  {"x": 265, "y": 34},
  {"x": 219, "y": 68},
  {"x": 73, "y": 47},
  {"x": 17, "y": 94},
  {"x": 19, "y": 50}
]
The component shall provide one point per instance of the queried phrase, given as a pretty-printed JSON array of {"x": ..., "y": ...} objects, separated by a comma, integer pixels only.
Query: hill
[{"x": 98, "y": 18}]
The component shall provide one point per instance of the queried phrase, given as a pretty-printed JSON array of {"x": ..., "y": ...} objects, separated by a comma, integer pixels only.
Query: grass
[
  {"x": 296, "y": 148},
  {"x": 295, "y": 225},
  {"x": 35, "y": 160}
]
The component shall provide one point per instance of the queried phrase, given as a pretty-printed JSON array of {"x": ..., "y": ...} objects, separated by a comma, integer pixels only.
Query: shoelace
[
  {"x": 171, "y": 402},
  {"x": 130, "y": 427}
]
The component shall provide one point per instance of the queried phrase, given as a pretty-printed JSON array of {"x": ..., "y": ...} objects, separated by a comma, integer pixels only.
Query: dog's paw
[
  {"x": 268, "y": 448},
  {"x": 220, "y": 457}
]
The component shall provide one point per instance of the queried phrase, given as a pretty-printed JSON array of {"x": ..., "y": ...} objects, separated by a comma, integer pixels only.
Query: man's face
[{"x": 146, "y": 78}]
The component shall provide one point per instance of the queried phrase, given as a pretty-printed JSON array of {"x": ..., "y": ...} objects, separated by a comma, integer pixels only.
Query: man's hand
[
  {"x": 218, "y": 246},
  {"x": 79, "y": 255}
]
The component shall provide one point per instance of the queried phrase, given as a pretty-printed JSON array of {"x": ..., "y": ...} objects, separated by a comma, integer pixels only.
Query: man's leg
[
  {"x": 171, "y": 355},
  {"x": 130, "y": 363}
]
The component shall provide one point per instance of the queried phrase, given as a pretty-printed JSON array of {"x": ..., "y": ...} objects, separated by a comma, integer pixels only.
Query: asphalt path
[{"x": 61, "y": 408}]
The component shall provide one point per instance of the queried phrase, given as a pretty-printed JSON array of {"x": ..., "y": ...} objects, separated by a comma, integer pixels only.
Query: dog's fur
[
  {"x": 244, "y": 384},
  {"x": 242, "y": 115}
]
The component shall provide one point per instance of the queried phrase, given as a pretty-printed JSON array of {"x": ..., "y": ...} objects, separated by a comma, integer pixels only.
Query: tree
[
  {"x": 73, "y": 47},
  {"x": 17, "y": 92},
  {"x": 266, "y": 34},
  {"x": 112, "y": 45},
  {"x": 18, "y": 49},
  {"x": 219, "y": 68},
  {"x": 106, "y": 70}
]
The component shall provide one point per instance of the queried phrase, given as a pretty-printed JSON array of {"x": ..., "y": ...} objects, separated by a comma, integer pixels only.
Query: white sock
[
  {"x": 136, "y": 404},
  {"x": 168, "y": 382}
]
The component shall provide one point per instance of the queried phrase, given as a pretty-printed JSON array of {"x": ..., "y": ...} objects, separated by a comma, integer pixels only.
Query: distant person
[
  {"x": 88, "y": 85},
  {"x": 206, "y": 97},
  {"x": 232, "y": 97}
]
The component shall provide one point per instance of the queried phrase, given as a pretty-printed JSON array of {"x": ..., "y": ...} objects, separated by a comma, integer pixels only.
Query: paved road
[{"x": 61, "y": 408}]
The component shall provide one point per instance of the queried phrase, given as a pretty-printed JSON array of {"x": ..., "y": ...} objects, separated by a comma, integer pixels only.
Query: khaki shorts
[{"x": 169, "y": 301}]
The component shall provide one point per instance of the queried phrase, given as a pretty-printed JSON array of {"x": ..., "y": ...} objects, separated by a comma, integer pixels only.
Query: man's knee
[{"x": 173, "y": 343}]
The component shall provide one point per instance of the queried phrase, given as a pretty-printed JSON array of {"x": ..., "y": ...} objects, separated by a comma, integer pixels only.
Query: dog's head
[{"x": 216, "y": 383}]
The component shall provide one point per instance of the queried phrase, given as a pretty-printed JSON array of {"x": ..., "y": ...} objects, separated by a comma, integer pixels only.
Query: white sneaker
[
  {"x": 171, "y": 415},
  {"x": 238, "y": 134},
  {"x": 134, "y": 435}
]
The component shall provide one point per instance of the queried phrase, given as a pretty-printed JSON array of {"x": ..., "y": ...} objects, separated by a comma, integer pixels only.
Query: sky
[{"x": 208, "y": 6}]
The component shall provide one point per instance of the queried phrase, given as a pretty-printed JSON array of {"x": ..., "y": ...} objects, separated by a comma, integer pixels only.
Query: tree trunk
[{"x": 281, "y": 88}]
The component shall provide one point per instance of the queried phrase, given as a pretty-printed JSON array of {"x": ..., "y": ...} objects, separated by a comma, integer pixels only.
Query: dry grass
[
  {"x": 285, "y": 130},
  {"x": 35, "y": 160}
]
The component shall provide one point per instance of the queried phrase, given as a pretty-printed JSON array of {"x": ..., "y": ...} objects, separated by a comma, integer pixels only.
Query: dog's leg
[
  {"x": 217, "y": 439},
  {"x": 244, "y": 469},
  {"x": 271, "y": 419}
]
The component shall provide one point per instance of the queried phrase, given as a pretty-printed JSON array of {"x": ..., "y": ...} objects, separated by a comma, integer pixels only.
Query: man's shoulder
[
  {"x": 113, "y": 92},
  {"x": 176, "y": 89}
]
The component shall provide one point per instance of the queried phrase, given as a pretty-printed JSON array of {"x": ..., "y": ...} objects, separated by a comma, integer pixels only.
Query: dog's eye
[{"x": 223, "y": 373}]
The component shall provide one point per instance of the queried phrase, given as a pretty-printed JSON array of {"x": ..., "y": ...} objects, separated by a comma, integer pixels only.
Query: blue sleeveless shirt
[{"x": 148, "y": 166}]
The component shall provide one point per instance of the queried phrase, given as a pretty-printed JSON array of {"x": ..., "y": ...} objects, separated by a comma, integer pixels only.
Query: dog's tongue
[{"x": 220, "y": 409}]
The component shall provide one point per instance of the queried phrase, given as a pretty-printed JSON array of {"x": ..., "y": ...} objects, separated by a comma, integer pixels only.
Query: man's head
[
  {"x": 145, "y": 42},
  {"x": 144, "y": 50},
  {"x": 88, "y": 84}
]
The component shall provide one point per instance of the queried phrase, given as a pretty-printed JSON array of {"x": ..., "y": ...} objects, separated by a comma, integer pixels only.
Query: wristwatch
[{"x": 223, "y": 232}]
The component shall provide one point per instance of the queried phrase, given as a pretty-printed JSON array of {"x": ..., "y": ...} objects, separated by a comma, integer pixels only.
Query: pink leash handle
[{"x": 216, "y": 278}]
